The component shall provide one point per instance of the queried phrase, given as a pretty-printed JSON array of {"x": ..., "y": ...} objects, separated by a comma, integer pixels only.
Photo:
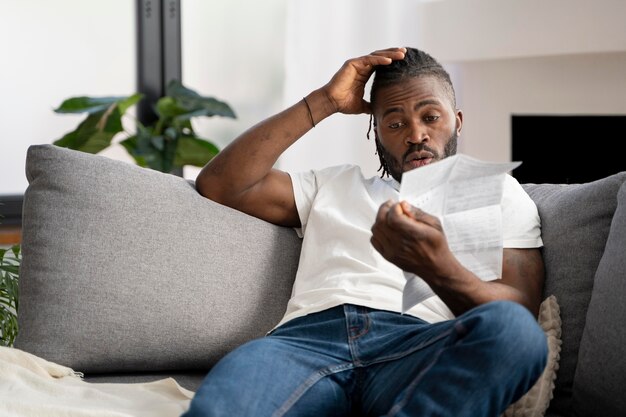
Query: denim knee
[{"x": 514, "y": 332}]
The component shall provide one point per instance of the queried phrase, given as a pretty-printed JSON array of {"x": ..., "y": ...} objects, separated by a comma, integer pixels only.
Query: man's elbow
[{"x": 209, "y": 187}]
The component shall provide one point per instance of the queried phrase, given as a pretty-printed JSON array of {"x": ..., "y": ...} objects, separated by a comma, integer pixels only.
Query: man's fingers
[
  {"x": 393, "y": 53},
  {"x": 346, "y": 88},
  {"x": 381, "y": 216},
  {"x": 381, "y": 57},
  {"x": 391, "y": 213},
  {"x": 396, "y": 217},
  {"x": 390, "y": 216},
  {"x": 420, "y": 215},
  {"x": 376, "y": 243}
]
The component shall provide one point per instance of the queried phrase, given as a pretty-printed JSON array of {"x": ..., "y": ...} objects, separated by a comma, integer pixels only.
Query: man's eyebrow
[
  {"x": 392, "y": 110},
  {"x": 419, "y": 104},
  {"x": 427, "y": 102}
]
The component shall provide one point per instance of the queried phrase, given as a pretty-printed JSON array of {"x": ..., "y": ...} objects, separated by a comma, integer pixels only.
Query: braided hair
[{"x": 416, "y": 63}]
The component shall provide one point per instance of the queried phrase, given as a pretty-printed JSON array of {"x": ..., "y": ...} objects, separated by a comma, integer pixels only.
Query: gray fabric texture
[
  {"x": 575, "y": 222},
  {"x": 600, "y": 378},
  {"x": 189, "y": 380},
  {"x": 129, "y": 269}
]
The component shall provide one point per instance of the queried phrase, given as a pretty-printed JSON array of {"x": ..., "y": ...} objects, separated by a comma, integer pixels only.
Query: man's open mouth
[{"x": 418, "y": 159}]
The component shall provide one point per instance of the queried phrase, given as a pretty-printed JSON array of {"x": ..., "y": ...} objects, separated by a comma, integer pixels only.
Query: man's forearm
[
  {"x": 414, "y": 241},
  {"x": 242, "y": 176}
]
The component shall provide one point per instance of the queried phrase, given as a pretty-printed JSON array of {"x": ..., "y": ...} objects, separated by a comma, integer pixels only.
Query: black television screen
[{"x": 567, "y": 149}]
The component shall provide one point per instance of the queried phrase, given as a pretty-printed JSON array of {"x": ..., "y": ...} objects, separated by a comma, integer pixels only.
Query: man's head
[{"x": 416, "y": 121}]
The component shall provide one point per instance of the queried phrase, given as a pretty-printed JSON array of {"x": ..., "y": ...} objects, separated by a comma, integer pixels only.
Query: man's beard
[{"x": 395, "y": 167}]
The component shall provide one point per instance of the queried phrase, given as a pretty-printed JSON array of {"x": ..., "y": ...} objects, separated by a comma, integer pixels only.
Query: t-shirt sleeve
[
  {"x": 304, "y": 190},
  {"x": 520, "y": 219},
  {"x": 306, "y": 185}
]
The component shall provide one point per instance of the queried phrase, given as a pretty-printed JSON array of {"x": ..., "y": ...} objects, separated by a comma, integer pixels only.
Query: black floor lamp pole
[{"x": 158, "y": 52}]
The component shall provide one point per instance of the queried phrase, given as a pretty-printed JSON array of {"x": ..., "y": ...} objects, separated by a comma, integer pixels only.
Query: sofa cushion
[
  {"x": 126, "y": 269},
  {"x": 600, "y": 377},
  {"x": 575, "y": 222},
  {"x": 535, "y": 402}
]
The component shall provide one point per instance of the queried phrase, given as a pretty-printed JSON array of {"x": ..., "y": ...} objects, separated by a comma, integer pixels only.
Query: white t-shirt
[{"x": 338, "y": 264}]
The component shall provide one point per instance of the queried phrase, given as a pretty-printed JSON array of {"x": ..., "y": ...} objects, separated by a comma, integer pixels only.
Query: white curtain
[{"x": 321, "y": 35}]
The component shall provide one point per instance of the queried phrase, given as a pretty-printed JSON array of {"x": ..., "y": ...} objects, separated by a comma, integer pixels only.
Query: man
[{"x": 343, "y": 348}]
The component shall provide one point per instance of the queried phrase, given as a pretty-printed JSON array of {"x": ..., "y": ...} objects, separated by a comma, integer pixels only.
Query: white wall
[
  {"x": 318, "y": 43},
  {"x": 560, "y": 56},
  {"x": 462, "y": 30},
  {"x": 51, "y": 50},
  {"x": 234, "y": 50},
  {"x": 526, "y": 57},
  {"x": 505, "y": 57},
  {"x": 491, "y": 91}
]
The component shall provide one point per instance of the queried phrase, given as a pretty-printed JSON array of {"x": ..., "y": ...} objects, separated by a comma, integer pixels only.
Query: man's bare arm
[{"x": 242, "y": 175}]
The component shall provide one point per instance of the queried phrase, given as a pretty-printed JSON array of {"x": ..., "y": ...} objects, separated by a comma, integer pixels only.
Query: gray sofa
[{"x": 129, "y": 274}]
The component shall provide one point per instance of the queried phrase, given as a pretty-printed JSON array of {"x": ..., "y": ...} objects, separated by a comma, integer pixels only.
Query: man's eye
[
  {"x": 431, "y": 118},
  {"x": 396, "y": 125}
]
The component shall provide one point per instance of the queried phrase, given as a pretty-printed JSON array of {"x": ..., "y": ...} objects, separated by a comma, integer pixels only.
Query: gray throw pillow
[
  {"x": 575, "y": 222},
  {"x": 600, "y": 378},
  {"x": 129, "y": 269}
]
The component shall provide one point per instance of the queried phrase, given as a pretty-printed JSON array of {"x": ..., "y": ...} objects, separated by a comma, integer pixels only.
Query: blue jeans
[{"x": 355, "y": 361}]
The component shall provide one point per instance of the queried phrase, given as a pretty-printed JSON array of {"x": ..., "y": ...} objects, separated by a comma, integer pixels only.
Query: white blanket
[{"x": 33, "y": 387}]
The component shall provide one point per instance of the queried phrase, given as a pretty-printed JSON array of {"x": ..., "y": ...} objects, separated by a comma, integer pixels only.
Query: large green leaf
[
  {"x": 89, "y": 104},
  {"x": 11, "y": 269},
  {"x": 9, "y": 294},
  {"x": 196, "y": 105},
  {"x": 130, "y": 101},
  {"x": 169, "y": 154},
  {"x": 194, "y": 151},
  {"x": 95, "y": 132},
  {"x": 130, "y": 144},
  {"x": 8, "y": 327},
  {"x": 169, "y": 143},
  {"x": 142, "y": 149},
  {"x": 152, "y": 151},
  {"x": 168, "y": 107}
]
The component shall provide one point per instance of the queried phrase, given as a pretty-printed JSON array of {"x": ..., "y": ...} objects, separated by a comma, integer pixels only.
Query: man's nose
[{"x": 417, "y": 133}]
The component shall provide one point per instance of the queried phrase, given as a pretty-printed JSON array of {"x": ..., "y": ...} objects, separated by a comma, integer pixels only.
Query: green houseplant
[
  {"x": 9, "y": 304},
  {"x": 165, "y": 145}
]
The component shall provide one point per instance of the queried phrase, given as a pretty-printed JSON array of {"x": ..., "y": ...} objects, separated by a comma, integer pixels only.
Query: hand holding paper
[
  {"x": 465, "y": 194},
  {"x": 412, "y": 240}
]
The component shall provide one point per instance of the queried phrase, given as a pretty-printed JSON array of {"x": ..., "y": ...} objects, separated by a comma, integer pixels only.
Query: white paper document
[{"x": 465, "y": 194}]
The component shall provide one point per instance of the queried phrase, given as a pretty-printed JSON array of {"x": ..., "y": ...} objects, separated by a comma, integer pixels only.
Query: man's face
[{"x": 416, "y": 124}]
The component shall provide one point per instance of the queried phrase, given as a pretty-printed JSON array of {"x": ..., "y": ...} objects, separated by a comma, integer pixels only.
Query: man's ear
[{"x": 459, "y": 122}]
